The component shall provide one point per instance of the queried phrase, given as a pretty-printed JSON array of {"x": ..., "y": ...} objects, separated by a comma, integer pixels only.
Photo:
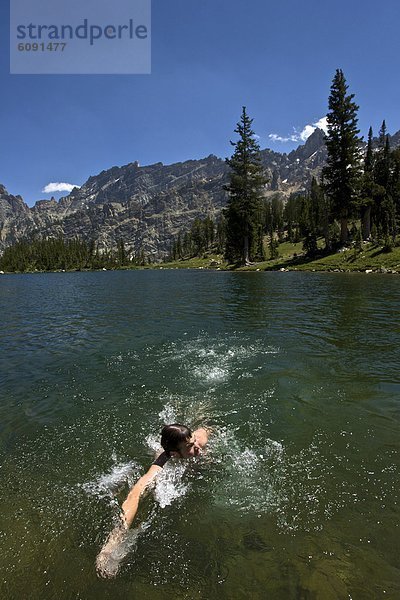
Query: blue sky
[{"x": 209, "y": 58}]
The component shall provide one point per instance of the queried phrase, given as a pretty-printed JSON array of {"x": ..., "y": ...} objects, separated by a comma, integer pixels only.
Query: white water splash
[
  {"x": 168, "y": 414},
  {"x": 169, "y": 484},
  {"x": 153, "y": 443},
  {"x": 215, "y": 360},
  {"x": 211, "y": 374},
  {"x": 270, "y": 479},
  {"x": 107, "y": 484},
  {"x": 182, "y": 409}
]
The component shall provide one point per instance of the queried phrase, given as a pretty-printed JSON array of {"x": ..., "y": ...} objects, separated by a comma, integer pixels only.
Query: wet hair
[{"x": 173, "y": 435}]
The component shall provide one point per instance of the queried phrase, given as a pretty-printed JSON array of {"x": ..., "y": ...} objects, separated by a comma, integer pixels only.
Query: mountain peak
[{"x": 315, "y": 143}]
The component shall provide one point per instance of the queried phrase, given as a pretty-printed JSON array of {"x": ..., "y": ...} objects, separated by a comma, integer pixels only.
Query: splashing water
[
  {"x": 169, "y": 484},
  {"x": 211, "y": 374},
  {"x": 107, "y": 484},
  {"x": 192, "y": 412}
]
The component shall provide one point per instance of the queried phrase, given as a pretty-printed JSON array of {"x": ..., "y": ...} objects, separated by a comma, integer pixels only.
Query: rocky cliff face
[
  {"x": 293, "y": 172},
  {"x": 146, "y": 206},
  {"x": 16, "y": 220},
  {"x": 143, "y": 206}
]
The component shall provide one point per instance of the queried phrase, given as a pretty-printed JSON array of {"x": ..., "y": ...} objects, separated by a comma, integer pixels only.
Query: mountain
[
  {"x": 147, "y": 206},
  {"x": 143, "y": 206},
  {"x": 293, "y": 172},
  {"x": 15, "y": 218}
]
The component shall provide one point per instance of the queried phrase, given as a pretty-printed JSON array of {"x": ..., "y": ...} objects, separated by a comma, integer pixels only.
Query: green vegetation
[
  {"x": 370, "y": 258},
  {"x": 207, "y": 261},
  {"x": 56, "y": 255},
  {"x": 366, "y": 257},
  {"x": 203, "y": 235},
  {"x": 61, "y": 255}
]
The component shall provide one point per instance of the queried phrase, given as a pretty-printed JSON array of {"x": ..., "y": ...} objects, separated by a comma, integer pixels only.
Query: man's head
[{"x": 178, "y": 441}]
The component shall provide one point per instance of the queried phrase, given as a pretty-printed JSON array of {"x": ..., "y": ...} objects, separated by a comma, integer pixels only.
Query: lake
[{"x": 297, "y": 495}]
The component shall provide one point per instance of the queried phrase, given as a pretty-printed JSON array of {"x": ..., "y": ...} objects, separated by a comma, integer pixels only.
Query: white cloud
[
  {"x": 303, "y": 135},
  {"x": 278, "y": 138},
  {"x": 57, "y": 186},
  {"x": 322, "y": 124},
  {"x": 307, "y": 131}
]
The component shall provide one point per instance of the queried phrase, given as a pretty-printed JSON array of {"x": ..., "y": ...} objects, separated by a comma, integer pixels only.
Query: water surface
[{"x": 297, "y": 496}]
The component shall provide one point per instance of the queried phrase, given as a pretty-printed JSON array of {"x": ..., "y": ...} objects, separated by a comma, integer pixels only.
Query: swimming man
[{"x": 177, "y": 441}]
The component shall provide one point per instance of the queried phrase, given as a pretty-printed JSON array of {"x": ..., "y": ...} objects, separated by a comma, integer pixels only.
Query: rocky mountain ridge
[{"x": 147, "y": 206}]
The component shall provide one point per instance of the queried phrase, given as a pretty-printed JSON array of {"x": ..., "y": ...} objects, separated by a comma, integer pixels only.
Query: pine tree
[
  {"x": 273, "y": 245},
  {"x": 291, "y": 214},
  {"x": 243, "y": 212},
  {"x": 277, "y": 215},
  {"x": 385, "y": 212},
  {"x": 382, "y": 135},
  {"x": 122, "y": 259},
  {"x": 343, "y": 170},
  {"x": 310, "y": 217},
  {"x": 382, "y": 163},
  {"x": 395, "y": 180},
  {"x": 179, "y": 247},
  {"x": 368, "y": 190},
  {"x": 221, "y": 234},
  {"x": 198, "y": 238}
]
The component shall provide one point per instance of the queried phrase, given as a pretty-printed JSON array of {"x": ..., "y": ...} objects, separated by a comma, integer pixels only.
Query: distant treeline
[{"x": 62, "y": 255}]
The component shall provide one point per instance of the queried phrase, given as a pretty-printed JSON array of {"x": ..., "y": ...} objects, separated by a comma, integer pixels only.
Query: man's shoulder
[{"x": 161, "y": 460}]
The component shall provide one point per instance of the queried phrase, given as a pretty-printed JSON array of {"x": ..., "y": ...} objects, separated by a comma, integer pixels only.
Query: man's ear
[{"x": 174, "y": 453}]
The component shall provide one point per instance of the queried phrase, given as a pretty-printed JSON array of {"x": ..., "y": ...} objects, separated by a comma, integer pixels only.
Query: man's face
[{"x": 189, "y": 448}]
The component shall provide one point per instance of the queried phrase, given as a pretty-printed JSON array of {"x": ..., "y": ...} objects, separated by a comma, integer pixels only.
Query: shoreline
[
  {"x": 370, "y": 259},
  {"x": 248, "y": 269}
]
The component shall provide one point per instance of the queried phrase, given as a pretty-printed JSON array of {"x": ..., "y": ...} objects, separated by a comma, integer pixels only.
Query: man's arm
[
  {"x": 130, "y": 506},
  {"x": 107, "y": 563}
]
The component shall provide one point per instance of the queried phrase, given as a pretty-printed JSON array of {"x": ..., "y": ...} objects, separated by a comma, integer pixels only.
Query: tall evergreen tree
[
  {"x": 382, "y": 135},
  {"x": 395, "y": 178},
  {"x": 385, "y": 207},
  {"x": 122, "y": 258},
  {"x": 292, "y": 217},
  {"x": 368, "y": 190},
  {"x": 243, "y": 212},
  {"x": 382, "y": 163},
  {"x": 310, "y": 217},
  {"x": 343, "y": 170},
  {"x": 221, "y": 234}
]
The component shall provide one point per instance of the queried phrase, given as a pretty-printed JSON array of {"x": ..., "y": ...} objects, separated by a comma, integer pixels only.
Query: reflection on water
[{"x": 296, "y": 496}]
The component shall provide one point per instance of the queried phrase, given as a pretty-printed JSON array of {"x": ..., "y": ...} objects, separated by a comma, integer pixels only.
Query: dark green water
[{"x": 298, "y": 494}]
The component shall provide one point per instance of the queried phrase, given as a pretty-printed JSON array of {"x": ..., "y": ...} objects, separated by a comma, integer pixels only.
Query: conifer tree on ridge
[
  {"x": 244, "y": 209},
  {"x": 342, "y": 174}
]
